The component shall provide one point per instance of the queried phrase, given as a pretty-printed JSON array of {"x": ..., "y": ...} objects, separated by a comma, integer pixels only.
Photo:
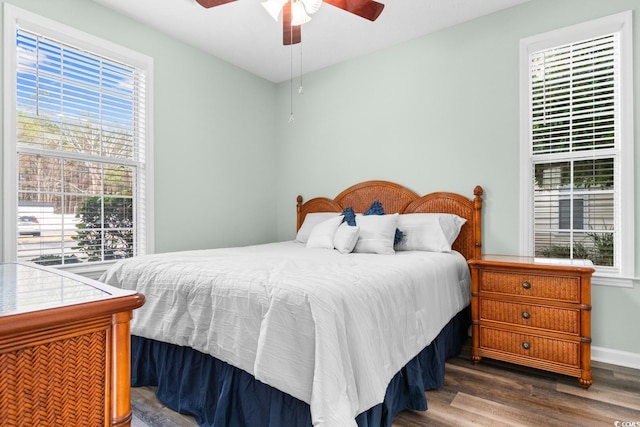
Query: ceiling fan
[{"x": 296, "y": 12}]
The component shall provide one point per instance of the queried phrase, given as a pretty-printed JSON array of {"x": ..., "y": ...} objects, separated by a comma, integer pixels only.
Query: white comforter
[{"x": 327, "y": 328}]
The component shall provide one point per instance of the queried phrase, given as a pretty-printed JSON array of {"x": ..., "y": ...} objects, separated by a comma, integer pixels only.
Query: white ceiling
[{"x": 243, "y": 34}]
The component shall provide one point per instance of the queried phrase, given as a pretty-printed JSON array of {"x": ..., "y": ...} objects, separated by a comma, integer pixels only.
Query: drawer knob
[
  {"x": 526, "y": 285},
  {"x": 526, "y": 345},
  {"x": 526, "y": 315}
]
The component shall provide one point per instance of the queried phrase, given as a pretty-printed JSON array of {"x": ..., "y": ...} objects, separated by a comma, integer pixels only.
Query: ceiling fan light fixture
[
  {"x": 312, "y": 6},
  {"x": 298, "y": 14},
  {"x": 273, "y": 7}
]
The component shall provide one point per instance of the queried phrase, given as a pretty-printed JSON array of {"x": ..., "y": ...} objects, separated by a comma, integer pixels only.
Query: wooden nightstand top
[{"x": 517, "y": 261}]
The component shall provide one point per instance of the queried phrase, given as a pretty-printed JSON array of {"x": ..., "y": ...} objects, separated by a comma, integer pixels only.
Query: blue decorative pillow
[
  {"x": 349, "y": 216},
  {"x": 377, "y": 209},
  {"x": 398, "y": 237}
]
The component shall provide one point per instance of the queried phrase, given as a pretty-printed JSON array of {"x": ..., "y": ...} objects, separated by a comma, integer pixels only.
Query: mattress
[{"x": 329, "y": 329}]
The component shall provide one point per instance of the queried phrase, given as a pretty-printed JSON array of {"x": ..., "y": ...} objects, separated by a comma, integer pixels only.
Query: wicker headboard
[{"x": 396, "y": 198}]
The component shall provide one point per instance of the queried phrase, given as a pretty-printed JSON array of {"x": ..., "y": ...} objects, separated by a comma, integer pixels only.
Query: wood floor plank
[
  {"x": 154, "y": 412},
  {"x": 443, "y": 414},
  {"x": 605, "y": 394},
  {"x": 486, "y": 378},
  {"x": 503, "y": 413},
  {"x": 618, "y": 377}
]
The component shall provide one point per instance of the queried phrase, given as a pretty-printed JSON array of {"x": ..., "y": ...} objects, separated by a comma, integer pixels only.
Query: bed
[{"x": 293, "y": 334}]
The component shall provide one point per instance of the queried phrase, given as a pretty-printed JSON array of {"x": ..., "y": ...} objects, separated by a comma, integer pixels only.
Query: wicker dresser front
[
  {"x": 64, "y": 349},
  {"x": 533, "y": 312},
  {"x": 59, "y": 382}
]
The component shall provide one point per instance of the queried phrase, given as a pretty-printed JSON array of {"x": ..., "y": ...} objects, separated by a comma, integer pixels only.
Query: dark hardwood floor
[{"x": 493, "y": 393}]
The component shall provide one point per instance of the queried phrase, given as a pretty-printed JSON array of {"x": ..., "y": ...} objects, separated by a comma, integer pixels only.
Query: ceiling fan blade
[
  {"x": 367, "y": 9},
  {"x": 291, "y": 34},
  {"x": 212, "y": 3}
]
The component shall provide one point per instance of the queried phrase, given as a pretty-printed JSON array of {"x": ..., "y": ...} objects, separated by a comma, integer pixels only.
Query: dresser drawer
[
  {"x": 531, "y": 346},
  {"x": 558, "y": 288},
  {"x": 535, "y": 316}
]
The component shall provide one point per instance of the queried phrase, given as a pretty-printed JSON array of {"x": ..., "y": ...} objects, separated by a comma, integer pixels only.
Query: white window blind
[
  {"x": 577, "y": 145},
  {"x": 573, "y": 96},
  {"x": 573, "y": 142},
  {"x": 80, "y": 147}
]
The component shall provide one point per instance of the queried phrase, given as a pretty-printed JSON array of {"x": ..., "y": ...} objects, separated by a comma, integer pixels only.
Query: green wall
[
  {"x": 214, "y": 133},
  {"x": 441, "y": 113}
]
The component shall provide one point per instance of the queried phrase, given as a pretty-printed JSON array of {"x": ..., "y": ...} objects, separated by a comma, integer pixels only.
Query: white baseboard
[{"x": 615, "y": 357}]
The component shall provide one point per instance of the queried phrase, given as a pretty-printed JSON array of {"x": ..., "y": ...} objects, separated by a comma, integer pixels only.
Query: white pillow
[
  {"x": 451, "y": 225},
  {"x": 434, "y": 232},
  {"x": 311, "y": 220},
  {"x": 322, "y": 234},
  {"x": 376, "y": 233},
  {"x": 346, "y": 237}
]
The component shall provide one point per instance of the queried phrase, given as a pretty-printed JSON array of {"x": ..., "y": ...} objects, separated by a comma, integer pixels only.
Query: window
[
  {"x": 577, "y": 146},
  {"x": 77, "y": 121},
  {"x": 571, "y": 213}
]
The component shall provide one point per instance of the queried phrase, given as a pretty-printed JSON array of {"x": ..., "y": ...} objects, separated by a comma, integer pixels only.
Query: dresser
[
  {"x": 64, "y": 349},
  {"x": 534, "y": 312}
]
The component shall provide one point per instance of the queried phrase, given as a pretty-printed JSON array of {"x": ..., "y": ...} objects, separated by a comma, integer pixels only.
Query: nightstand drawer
[
  {"x": 558, "y": 288},
  {"x": 531, "y": 346},
  {"x": 534, "y": 316}
]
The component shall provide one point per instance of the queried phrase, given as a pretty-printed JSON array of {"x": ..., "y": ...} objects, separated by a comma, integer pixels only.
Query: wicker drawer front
[
  {"x": 531, "y": 285},
  {"x": 548, "y": 349},
  {"x": 535, "y": 316},
  {"x": 60, "y": 383}
]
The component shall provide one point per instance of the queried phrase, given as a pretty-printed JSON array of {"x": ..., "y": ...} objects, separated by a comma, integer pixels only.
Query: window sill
[
  {"x": 90, "y": 270},
  {"x": 616, "y": 281}
]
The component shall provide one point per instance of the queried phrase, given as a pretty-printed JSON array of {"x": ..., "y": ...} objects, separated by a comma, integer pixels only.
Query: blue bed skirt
[{"x": 219, "y": 395}]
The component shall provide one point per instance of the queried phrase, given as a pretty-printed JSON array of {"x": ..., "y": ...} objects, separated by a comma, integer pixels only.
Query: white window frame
[
  {"x": 624, "y": 234},
  {"x": 15, "y": 17}
]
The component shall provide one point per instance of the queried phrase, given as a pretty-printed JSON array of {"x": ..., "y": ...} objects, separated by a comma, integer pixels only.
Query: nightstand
[{"x": 534, "y": 312}]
